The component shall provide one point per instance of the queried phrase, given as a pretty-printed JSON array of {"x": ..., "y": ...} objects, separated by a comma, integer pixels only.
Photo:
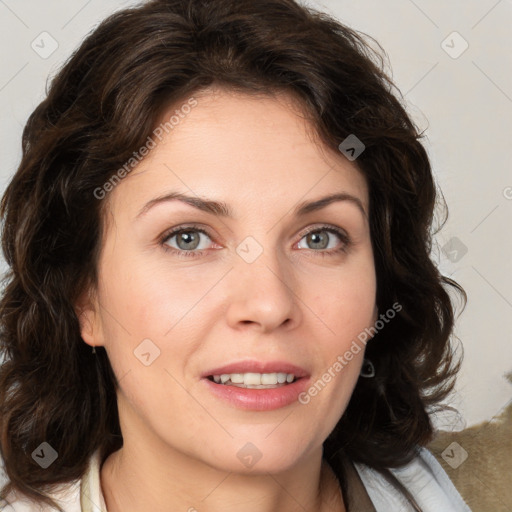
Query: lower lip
[{"x": 259, "y": 399}]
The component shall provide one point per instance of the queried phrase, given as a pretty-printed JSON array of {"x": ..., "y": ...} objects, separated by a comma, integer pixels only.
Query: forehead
[{"x": 252, "y": 149}]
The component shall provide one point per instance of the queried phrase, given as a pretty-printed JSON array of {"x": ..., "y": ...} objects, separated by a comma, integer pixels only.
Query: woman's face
[{"x": 254, "y": 292}]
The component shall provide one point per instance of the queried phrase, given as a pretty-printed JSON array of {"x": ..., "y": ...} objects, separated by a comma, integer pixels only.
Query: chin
[{"x": 260, "y": 455}]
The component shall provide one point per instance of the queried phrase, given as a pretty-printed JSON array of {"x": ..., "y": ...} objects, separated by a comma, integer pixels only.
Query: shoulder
[{"x": 424, "y": 479}]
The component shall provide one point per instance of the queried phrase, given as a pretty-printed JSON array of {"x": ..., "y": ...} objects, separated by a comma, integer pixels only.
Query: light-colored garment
[
  {"x": 423, "y": 477},
  {"x": 83, "y": 495}
]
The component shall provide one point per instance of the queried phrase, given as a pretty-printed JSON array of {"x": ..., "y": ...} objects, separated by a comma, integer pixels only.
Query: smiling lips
[{"x": 258, "y": 386}]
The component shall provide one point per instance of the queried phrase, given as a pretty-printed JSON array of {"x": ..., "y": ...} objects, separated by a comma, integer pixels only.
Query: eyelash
[{"x": 345, "y": 239}]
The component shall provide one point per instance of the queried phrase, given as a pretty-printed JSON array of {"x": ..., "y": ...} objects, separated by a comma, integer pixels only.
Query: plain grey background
[{"x": 451, "y": 60}]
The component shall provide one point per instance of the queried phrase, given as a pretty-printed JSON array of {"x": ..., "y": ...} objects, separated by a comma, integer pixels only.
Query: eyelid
[{"x": 322, "y": 227}]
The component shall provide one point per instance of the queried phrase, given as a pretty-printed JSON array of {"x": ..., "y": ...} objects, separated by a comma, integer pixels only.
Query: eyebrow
[{"x": 221, "y": 209}]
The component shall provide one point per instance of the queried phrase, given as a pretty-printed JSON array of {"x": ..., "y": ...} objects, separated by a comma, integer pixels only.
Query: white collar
[
  {"x": 91, "y": 495},
  {"x": 423, "y": 477}
]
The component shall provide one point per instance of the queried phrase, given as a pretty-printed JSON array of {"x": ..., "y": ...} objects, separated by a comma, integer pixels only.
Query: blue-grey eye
[
  {"x": 321, "y": 239},
  {"x": 186, "y": 239}
]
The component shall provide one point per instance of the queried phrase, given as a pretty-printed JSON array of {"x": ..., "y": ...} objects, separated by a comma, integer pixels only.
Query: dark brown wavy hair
[{"x": 99, "y": 109}]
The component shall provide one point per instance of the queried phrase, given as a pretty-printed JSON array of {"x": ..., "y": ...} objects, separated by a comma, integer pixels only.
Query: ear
[{"x": 87, "y": 312}]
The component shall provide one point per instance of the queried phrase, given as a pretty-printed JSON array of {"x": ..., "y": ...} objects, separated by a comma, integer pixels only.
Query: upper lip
[{"x": 257, "y": 367}]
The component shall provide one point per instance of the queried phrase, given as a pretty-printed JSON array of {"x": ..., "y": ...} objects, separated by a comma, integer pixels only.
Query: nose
[{"x": 261, "y": 295}]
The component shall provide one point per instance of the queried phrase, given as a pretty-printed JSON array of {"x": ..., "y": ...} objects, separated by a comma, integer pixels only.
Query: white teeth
[
  {"x": 269, "y": 378},
  {"x": 252, "y": 379}
]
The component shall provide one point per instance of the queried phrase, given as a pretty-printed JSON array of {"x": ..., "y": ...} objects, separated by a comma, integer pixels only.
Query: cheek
[
  {"x": 148, "y": 298},
  {"x": 347, "y": 302},
  {"x": 147, "y": 301},
  {"x": 347, "y": 307}
]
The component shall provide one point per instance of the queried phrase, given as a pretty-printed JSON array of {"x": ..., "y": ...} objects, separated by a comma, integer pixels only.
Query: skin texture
[{"x": 293, "y": 303}]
